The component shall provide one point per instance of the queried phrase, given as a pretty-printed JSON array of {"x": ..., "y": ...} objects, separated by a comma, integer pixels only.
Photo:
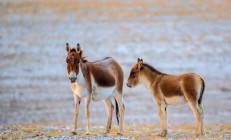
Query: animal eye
[{"x": 133, "y": 75}]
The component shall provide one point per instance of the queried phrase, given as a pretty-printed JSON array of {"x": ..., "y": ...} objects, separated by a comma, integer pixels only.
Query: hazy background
[{"x": 174, "y": 36}]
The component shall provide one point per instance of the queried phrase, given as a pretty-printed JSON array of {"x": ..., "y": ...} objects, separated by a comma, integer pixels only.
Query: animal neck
[
  {"x": 82, "y": 73},
  {"x": 149, "y": 75}
]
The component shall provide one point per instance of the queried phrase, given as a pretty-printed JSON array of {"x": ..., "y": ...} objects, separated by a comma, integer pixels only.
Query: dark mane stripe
[
  {"x": 145, "y": 65},
  {"x": 105, "y": 58},
  {"x": 84, "y": 60},
  {"x": 102, "y": 59}
]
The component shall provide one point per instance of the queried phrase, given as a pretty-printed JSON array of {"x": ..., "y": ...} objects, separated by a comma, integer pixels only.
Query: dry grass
[{"x": 130, "y": 132}]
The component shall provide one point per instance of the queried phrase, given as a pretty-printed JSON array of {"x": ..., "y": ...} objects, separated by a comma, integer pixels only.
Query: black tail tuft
[
  {"x": 202, "y": 91},
  {"x": 117, "y": 111}
]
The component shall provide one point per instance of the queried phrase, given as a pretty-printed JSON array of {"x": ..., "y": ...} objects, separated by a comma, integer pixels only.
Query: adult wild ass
[
  {"x": 170, "y": 90},
  {"x": 96, "y": 81}
]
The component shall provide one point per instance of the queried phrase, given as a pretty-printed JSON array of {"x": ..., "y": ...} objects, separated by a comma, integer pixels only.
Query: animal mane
[
  {"x": 102, "y": 59},
  {"x": 145, "y": 65},
  {"x": 84, "y": 59},
  {"x": 105, "y": 58}
]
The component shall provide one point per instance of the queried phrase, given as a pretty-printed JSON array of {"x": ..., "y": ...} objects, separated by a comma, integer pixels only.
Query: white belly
[
  {"x": 176, "y": 100},
  {"x": 81, "y": 91},
  {"x": 101, "y": 93}
]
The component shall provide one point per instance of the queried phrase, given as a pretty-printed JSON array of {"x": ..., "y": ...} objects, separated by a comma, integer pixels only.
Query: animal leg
[
  {"x": 119, "y": 99},
  {"x": 202, "y": 119},
  {"x": 110, "y": 109},
  {"x": 197, "y": 115},
  {"x": 162, "y": 111},
  {"x": 87, "y": 113},
  {"x": 166, "y": 117},
  {"x": 76, "y": 112}
]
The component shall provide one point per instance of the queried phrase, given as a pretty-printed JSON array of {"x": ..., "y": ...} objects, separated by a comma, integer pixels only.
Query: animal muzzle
[
  {"x": 128, "y": 85},
  {"x": 73, "y": 79}
]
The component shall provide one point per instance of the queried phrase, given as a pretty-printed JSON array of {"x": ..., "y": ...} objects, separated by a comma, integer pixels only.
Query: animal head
[
  {"x": 134, "y": 77},
  {"x": 73, "y": 59}
]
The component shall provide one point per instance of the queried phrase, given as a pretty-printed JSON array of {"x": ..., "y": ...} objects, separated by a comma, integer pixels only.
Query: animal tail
[
  {"x": 202, "y": 91},
  {"x": 117, "y": 111}
]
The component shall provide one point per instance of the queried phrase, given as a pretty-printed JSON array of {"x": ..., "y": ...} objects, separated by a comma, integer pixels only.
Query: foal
[
  {"x": 96, "y": 81},
  {"x": 170, "y": 90}
]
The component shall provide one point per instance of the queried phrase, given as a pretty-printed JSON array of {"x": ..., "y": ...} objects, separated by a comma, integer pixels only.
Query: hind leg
[
  {"x": 119, "y": 99},
  {"x": 110, "y": 109},
  {"x": 202, "y": 120},
  {"x": 197, "y": 115}
]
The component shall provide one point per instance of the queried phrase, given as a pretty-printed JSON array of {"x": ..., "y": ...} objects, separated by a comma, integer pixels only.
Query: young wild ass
[
  {"x": 96, "y": 81},
  {"x": 170, "y": 90}
]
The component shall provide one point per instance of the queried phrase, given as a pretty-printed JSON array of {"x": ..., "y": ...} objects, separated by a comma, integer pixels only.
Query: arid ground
[{"x": 174, "y": 36}]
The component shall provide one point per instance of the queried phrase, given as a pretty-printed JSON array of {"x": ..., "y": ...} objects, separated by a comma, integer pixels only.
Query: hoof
[
  {"x": 163, "y": 133},
  {"x": 200, "y": 134},
  {"x": 106, "y": 132},
  {"x": 120, "y": 134},
  {"x": 73, "y": 133},
  {"x": 87, "y": 133}
]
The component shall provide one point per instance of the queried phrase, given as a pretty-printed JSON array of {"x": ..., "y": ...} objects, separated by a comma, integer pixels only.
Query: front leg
[
  {"x": 87, "y": 113},
  {"x": 76, "y": 112},
  {"x": 162, "y": 111}
]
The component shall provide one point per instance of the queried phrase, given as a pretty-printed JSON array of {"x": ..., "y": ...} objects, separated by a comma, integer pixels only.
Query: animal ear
[
  {"x": 140, "y": 63},
  {"x": 78, "y": 48},
  {"x": 81, "y": 53},
  {"x": 67, "y": 48}
]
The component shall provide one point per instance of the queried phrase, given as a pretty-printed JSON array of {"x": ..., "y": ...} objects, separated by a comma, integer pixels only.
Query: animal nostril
[{"x": 129, "y": 85}]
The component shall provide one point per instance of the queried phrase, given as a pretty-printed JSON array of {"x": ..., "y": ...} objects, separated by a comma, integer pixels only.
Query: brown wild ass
[
  {"x": 96, "y": 81},
  {"x": 170, "y": 90}
]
